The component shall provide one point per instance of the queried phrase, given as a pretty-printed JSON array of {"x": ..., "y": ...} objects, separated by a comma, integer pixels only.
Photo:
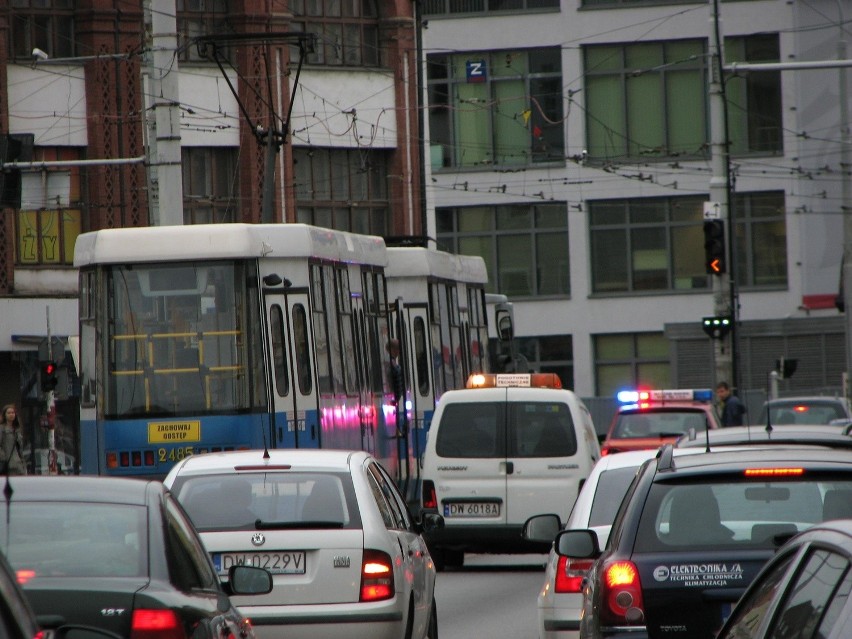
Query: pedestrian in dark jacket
[{"x": 732, "y": 408}]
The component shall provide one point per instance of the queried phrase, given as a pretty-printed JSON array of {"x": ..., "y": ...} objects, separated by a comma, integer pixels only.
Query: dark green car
[{"x": 120, "y": 555}]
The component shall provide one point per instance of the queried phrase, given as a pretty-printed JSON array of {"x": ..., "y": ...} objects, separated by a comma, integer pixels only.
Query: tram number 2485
[{"x": 173, "y": 454}]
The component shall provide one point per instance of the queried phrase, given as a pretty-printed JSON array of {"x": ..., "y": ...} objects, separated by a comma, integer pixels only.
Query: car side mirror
[
  {"x": 249, "y": 580},
  {"x": 430, "y": 521},
  {"x": 541, "y": 528},
  {"x": 579, "y": 544}
]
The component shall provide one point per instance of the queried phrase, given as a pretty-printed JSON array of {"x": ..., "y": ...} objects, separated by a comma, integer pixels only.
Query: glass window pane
[
  {"x": 650, "y": 258},
  {"x": 652, "y": 345},
  {"x": 552, "y": 264},
  {"x": 516, "y": 277},
  {"x": 472, "y": 125},
  {"x": 612, "y": 378},
  {"x": 511, "y": 120},
  {"x": 609, "y": 261},
  {"x": 613, "y": 347},
  {"x": 475, "y": 218},
  {"x": 605, "y": 117},
  {"x": 645, "y": 118},
  {"x": 514, "y": 217},
  {"x": 685, "y": 101}
]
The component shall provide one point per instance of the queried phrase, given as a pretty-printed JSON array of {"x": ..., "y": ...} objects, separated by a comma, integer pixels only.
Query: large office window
[
  {"x": 761, "y": 239},
  {"x": 657, "y": 244},
  {"x": 525, "y": 247},
  {"x": 347, "y": 30},
  {"x": 198, "y": 18},
  {"x": 456, "y": 7},
  {"x": 628, "y": 360},
  {"x": 648, "y": 100},
  {"x": 210, "y": 185},
  {"x": 549, "y": 354},
  {"x": 343, "y": 189},
  {"x": 42, "y": 24},
  {"x": 754, "y": 98},
  {"x": 51, "y": 213},
  {"x": 647, "y": 244},
  {"x": 498, "y": 108}
]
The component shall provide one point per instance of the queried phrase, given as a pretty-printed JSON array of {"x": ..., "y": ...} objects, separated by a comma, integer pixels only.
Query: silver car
[
  {"x": 560, "y": 601},
  {"x": 347, "y": 558}
]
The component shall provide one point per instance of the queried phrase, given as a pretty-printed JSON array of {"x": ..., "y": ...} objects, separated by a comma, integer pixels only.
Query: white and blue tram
[
  {"x": 438, "y": 314},
  {"x": 205, "y": 338}
]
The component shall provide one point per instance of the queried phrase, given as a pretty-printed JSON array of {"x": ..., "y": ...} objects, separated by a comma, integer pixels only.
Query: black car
[
  {"x": 120, "y": 555},
  {"x": 802, "y": 592},
  {"x": 694, "y": 530}
]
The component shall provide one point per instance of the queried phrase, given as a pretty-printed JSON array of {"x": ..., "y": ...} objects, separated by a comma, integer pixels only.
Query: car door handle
[{"x": 509, "y": 466}]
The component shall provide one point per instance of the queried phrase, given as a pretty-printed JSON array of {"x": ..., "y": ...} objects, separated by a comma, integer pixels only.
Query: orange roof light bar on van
[{"x": 514, "y": 380}]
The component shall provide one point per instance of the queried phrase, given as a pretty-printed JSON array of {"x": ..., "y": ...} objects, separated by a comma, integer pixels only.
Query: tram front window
[{"x": 179, "y": 339}]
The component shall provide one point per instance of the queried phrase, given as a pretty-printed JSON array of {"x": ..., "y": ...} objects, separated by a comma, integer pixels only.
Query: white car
[
  {"x": 561, "y": 598},
  {"x": 346, "y": 557}
]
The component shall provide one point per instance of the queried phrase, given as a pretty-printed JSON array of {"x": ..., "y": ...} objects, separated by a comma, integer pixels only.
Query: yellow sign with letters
[{"x": 174, "y": 432}]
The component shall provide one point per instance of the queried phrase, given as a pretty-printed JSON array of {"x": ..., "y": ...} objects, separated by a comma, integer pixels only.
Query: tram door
[
  {"x": 418, "y": 376},
  {"x": 295, "y": 421}
]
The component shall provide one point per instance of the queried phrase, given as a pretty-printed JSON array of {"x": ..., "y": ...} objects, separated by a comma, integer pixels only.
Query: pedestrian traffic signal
[
  {"x": 717, "y": 327},
  {"x": 47, "y": 375},
  {"x": 714, "y": 247}
]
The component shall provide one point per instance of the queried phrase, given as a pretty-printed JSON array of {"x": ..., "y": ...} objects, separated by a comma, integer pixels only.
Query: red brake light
[
  {"x": 430, "y": 497},
  {"x": 622, "y": 595},
  {"x": 376, "y": 576},
  {"x": 570, "y": 574},
  {"x": 155, "y": 624},
  {"x": 23, "y": 576},
  {"x": 774, "y": 472}
]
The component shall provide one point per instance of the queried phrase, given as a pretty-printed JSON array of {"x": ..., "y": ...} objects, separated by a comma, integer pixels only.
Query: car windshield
[
  {"x": 257, "y": 501},
  {"x": 658, "y": 423},
  {"x": 804, "y": 412},
  {"x": 738, "y": 513},
  {"x": 76, "y": 539},
  {"x": 611, "y": 488}
]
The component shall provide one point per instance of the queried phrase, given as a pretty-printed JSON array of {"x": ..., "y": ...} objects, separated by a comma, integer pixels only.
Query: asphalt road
[{"x": 492, "y": 596}]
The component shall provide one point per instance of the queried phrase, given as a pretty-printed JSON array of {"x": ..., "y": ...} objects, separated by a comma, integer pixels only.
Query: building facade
[
  {"x": 569, "y": 144},
  {"x": 89, "y": 107}
]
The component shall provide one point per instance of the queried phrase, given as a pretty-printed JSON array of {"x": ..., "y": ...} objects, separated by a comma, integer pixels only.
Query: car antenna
[{"x": 707, "y": 435}]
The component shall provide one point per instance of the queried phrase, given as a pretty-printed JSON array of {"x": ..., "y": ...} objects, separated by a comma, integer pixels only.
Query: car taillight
[
  {"x": 570, "y": 574},
  {"x": 621, "y": 594},
  {"x": 24, "y": 575},
  {"x": 376, "y": 576},
  {"x": 155, "y": 624},
  {"x": 430, "y": 497}
]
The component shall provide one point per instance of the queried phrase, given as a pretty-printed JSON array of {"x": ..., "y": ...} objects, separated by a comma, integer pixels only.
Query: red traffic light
[{"x": 47, "y": 373}]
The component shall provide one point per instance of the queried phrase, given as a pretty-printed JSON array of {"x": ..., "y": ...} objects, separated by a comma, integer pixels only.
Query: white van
[{"x": 508, "y": 447}]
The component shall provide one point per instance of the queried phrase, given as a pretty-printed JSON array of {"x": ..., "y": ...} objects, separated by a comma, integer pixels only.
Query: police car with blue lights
[
  {"x": 505, "y": 448},
  {"x": 650, "y": 418}
]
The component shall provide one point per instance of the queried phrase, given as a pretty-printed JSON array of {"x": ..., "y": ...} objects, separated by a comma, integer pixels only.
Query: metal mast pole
[{"x": 719, "y": 192}]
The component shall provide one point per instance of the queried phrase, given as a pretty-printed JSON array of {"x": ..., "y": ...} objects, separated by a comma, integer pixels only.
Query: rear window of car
[
  {"x": 737, "y": 512},
  {"x": 515, "y": 429},
  {"x": 808, "y": 412},
  {"x": 275, "y": 499},
  {"x": 658, "y": 423},
  {"x": 76, "y": 539},
  {"x": 610, "y": 491}
]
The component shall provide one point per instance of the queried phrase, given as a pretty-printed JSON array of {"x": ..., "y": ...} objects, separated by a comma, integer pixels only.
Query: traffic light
[
  {"x": 47, "y": 376},
  {"x": 717, "y": 327},
  {"x": 714, "y": 246}
]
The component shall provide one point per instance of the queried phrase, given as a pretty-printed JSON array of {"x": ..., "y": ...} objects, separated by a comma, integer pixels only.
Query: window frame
[
  {"x": 55, "y": 18},
  {"x": 484, "y": 241},
  {"x": 335, "y": 45},
  {"x": 452, "y": 77}
]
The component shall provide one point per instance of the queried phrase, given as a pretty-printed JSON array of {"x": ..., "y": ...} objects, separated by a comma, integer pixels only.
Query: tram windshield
[{"x": 181, "y": 338}]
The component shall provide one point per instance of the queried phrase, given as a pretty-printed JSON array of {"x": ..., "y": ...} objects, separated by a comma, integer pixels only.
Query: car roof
[
  {"x": 734, "y": 460},
  {"x": 811, "y": 434},
  {"x": 254, "y": 460},
  {"x": 88, "y": 488},
  {"x": 626, "y": 459}
]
